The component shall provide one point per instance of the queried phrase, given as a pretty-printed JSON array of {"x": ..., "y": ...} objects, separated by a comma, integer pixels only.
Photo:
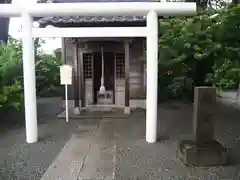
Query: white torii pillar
[
  {"x": 152, "y": 77},
  {"x": 29, "y": 79}
]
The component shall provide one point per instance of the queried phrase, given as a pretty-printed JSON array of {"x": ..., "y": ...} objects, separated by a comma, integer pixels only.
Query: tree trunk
[{"x": 4, "y": 24}]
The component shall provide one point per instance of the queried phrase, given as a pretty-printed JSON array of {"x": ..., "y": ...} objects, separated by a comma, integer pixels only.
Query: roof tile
[{"x": 90, "y": 19}]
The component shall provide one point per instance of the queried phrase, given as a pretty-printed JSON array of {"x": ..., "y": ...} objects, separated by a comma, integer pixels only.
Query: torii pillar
[
  {"x": 30, "y": 101},
  {"x": 152, "y": 77}
]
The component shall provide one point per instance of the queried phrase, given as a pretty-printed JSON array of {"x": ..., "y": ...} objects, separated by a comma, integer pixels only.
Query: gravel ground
[
  {"x": 135, "y": 159},
  {"x": 19, "y": 160},
  {"x": 138, "y": 160}
]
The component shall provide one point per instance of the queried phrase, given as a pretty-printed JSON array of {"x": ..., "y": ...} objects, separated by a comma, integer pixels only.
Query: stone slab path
[{"x": 84, "y": 157}]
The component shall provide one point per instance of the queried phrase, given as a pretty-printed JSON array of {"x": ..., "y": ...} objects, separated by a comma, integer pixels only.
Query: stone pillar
[
  {"x": 29, "y": 79},
  {"x": 152, "y": 77},
  {"x": 127, "y": 63},
  {"x": 201, "y": 149},
  {"x": 204, "y": 105}
]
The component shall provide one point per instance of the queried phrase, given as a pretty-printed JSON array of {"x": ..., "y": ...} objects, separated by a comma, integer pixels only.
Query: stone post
[
  {"x": 201, "y": 149},
  {"x": 203, "y": 107}
]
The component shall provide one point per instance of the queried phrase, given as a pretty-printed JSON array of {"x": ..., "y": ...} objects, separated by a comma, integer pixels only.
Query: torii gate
[{"x": 150, "y": 9}]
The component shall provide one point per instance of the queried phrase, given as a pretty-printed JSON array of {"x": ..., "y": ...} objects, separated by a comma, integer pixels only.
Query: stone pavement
[
  {"x": 116, "y": 149},
  {"x": 85, "y": 156}
]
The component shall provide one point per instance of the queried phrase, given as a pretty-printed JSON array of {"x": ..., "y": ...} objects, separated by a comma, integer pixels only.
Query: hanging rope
[{"x": 102, "y": 89}]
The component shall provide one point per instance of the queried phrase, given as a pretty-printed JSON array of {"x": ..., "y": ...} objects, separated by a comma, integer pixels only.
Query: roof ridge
[
  {"x": 91, "y": 1},
  {"x": 45, "y": 1}
]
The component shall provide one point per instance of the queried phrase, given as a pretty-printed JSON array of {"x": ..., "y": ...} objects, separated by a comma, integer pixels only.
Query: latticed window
[
  {"x": 87, "y": 65},
  {"x": 120, "y": 66}
]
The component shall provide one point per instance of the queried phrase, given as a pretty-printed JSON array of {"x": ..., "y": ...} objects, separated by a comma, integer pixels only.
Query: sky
[{"x": 14, "y": 31}]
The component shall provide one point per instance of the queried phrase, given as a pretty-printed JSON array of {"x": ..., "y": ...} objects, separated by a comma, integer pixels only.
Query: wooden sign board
[{"x": 66, "y": 74}]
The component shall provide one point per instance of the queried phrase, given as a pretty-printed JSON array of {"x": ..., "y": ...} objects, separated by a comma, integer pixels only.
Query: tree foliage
[
  {"x": 11, "y": 74},
  {"x": 227, "y": 58},
  {"x": 198, "y": 51},
  {"x": 194, "y": 51}
]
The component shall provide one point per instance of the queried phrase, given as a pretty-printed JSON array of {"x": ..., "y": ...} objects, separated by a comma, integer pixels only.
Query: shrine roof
[{"x": 91, "y": 21}]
